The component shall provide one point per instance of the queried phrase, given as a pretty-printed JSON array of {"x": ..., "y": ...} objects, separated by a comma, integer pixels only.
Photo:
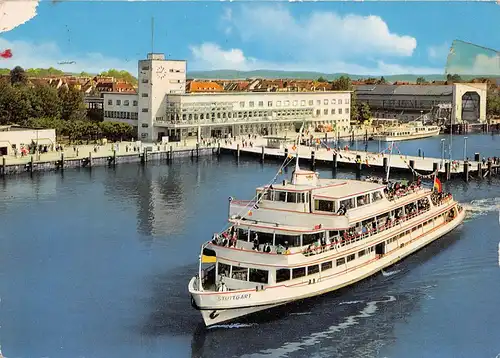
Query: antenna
[{"x": 152, "y": 35}]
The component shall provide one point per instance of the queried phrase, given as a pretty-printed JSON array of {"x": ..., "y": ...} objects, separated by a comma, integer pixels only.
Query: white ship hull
[
  {"x": 219, "y": 307},
  {"x": 393, "y": 138}
]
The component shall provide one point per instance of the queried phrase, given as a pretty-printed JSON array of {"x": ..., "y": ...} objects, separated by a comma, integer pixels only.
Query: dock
[
  {"x": 88, "y": 156},
  {"x": 363, "y": 161}
]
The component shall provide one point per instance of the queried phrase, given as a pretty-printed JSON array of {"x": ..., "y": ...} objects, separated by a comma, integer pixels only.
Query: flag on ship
[{"x": 437, "y": 185}]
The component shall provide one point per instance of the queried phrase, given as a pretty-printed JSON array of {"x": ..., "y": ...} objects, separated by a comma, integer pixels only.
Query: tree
[
  {"x": 45, "y": 102},
  {"x": 322, "y": 79},
  {"x": 421, "y": 81},
  {"x": 382, "y": 81},
  {"x": 18, "y": 76},
  {"x": 493, "y": 101},
  {"x": 343, "y": 83},
  {"x": 121, "y": 75},
  {"x": 453, "y": 78},
  {"x": 73, "y": 105}
]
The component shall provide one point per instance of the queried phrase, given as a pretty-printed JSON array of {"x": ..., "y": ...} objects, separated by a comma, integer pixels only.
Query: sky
[{"x": 355, "y": 37}]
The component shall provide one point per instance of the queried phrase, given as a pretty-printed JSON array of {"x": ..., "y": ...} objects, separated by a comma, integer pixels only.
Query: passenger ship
[
  {"x": 407, "y": 132},
  {"x": 310, "y": 236}
]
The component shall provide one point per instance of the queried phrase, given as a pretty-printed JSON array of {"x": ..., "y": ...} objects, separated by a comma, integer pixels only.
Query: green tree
[
  {"x": 453, "y": 78},
  {"x": 45, "y": 102},
  {"x": 421, "y": 81},
  {"x": 73, "y": 105},
  {"x": 382, "y": 81},
  {"x": 493, "y": 101},
  {"x": 322, "y": 79},
  {"x": 18, "y": 76},
  {"x": 122, "y": 75},
  {"x": 343, "y": 83}
]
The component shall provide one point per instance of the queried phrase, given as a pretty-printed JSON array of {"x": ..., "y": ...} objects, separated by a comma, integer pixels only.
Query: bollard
[
  {"x": 477, "y": 157},
  {"x": 263, "y": 155},
  {"x": 90, "y": 160},
  {"x": 466, "y": 171},
  {"x": 385, "y": 164},
  {"x": 197, "y": 150},
  {"x": 62, "y": 160},
  {"x": 313, "y": 159},
  {"x": 359, "y": 166},
  {"x": 4, "y": 165},
  {"x": 31, "y": 164},
  {"x": 490, "y": 168},
  {"x": 447, "y": 170},
  {"x": 419, "y": 152},
  {"x": 435, "y": 167},
  {"x": 334, "y": 160},
  {"x": 480, "y": 170},
  {"x": 171, "y": 153},
  {"x": 114, "y": 156},
  {"x": 218, "y": 148},
  {"x": 145, "y": 155},
  {"x": 238, "y": 150}
]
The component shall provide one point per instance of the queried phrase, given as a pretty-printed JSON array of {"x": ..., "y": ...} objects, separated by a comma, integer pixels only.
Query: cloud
[
  {"x": 320, "y": 41},
  {"x": 210, "y": 56},
  {"x": 481, "y": 65},
  {"x": 439, "y": 52},
  {"x": 44, "y": 55},
  {"x": 15, "y": 13}
]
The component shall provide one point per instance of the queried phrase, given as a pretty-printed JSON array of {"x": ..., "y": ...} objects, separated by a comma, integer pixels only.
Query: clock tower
[{"x": 157, "y": 78}]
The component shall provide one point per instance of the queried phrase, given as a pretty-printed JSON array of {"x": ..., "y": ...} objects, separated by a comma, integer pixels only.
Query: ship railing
[{"x": 401, "y": 193}]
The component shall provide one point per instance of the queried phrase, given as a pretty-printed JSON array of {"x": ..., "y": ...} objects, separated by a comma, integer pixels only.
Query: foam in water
[
  {"x": 349, "y": 303},
  {"x": 481, "y": 207},
  {"x": 315, "y": 338},
  {"x": 232, "y": 325},
  {"x": 390, "y": 273}
]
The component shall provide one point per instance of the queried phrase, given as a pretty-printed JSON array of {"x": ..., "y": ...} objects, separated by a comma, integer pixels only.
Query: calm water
[{"x": 96, "y": 264}]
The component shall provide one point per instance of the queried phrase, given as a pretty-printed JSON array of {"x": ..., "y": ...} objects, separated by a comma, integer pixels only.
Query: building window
[
  {"x": 126, "y": 102},
  {"x": 318, "y": 112},
  {"x": 318, "y": 102},
  {"x": 340, "y": 101},
  {"x": 145, "y": 68},
  {"x": 134, "y": 103},
  {"x": 145, "y": 110},
  {"x": 145, "y": 80},
  {"x": 311, "y": 102},
  {"x": 159, "y": 119},
  {"x": 325, "y": 111},
  {"x": 144, "y": 95},
  {"x": 250, "y": 104},
  {"x": 347, "y": 101},
  {"x": 287, "y": 103},
  {"x": 242, "y": 104},
  {"x": 334, "y": 101},
  {"x": 118, "y": 102},
  {"x": 144, "y": 125},
  {"x": 340, "y": 110},
  {"x": 278, "y": 104},
  {"x": 270, "y": 103},
  {"x": 325, "y": 102},
  {"x": 295, "y": 103},
  {"x": 261, "y": 103},
  {"x": 347, "y": 111},
  {"x": 110, "y": 102},
  {"x": 303, "y": 103},
  {"x": 333, "y": 110}
]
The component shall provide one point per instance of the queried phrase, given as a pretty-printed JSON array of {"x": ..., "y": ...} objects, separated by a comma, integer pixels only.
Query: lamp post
[
  {"x": 465, "y": 148},
  {"x": 442, "y": 151}
]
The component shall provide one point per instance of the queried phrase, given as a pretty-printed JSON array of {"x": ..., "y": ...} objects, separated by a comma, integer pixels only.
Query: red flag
[{"x": 6, "y": 53}]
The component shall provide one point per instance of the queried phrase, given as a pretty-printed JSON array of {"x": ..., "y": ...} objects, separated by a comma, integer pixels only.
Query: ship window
[
  {"x": 242, "y": 234},
  {"x": 282, "y": 275},
  {"x": 326, "y": 265},
  {"x": 298, "y": 272},
  {"x": 333, "y": 234},
  {"x": 312, "y": 269},
  {"x": 308, "y": 239},
  {"x": 363, "y": 200},
  {"x": 361, "y": 253},
  {"x": 341, "y": 261},
  {"x": 287, "y": 240},
  {"x": 260, "y": 276},
  {"x": 224, "y": 269},
  {"x": 280, "y": 196},
  {"x": 351, "y": 257},
  {"x": 324, "y": 205},
  {"x": 348, "y": 203},
  {"x": 239, "y": 273},
  {"x": 262, "y": 236},
  {"x": 291, "y": 197},
  {"x": 376, "y": 196}
]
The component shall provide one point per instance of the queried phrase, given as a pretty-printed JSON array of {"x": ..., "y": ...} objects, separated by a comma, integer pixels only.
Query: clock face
[{"x": 161, "y": 72}]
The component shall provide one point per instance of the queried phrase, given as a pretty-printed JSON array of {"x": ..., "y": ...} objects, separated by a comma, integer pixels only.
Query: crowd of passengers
[
  {"x": 439, "y": 198},
  {"x": 397, "y": 190}
]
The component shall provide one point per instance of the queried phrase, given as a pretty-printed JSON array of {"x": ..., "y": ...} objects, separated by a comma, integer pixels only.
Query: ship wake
[{"x": 481, "y": 207}]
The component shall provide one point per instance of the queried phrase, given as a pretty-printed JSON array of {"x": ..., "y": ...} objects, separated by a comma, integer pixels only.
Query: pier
[{"x": 363, "y": 161}]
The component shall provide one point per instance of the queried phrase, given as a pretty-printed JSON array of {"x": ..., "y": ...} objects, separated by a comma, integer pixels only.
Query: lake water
[{"x": 96, "y": 264}]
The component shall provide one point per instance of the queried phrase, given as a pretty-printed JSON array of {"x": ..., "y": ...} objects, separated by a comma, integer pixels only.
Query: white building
[
  {"x": 13, "y": 138},
  {"x": 162, "y": 108}
]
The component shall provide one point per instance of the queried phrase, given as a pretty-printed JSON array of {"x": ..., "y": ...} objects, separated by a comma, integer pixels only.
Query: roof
[
  {"x": 339, "y": 189},
  {"x": 204, "y": 86},
  {"x": 410, "y": 90}
]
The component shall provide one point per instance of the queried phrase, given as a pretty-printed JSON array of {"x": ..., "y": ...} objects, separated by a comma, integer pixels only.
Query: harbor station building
[{"x": 162, "y": 108}]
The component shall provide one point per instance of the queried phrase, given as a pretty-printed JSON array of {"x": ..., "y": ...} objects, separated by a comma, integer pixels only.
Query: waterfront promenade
[{"x": 366, "y": 160}]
